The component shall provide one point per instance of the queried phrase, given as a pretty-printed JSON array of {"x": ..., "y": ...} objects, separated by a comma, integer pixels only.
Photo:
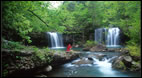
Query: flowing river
[{"x": 99, "y": 68}]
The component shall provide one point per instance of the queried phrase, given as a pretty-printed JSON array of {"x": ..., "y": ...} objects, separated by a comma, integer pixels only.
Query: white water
[
  {"x": 97, "y": 69},
  {"x": 113, "y": 37},
  {"x": 105, "y": 67},
  {"x": 110, "y": 36},
  {"x": 55, "y": 40}
]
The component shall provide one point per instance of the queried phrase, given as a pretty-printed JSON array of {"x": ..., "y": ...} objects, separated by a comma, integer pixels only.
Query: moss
[
  {"x": 121, "y": 65},
  {"x": 135, "y": 66}
]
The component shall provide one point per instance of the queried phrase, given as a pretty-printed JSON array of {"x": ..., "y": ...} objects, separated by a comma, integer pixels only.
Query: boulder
[
  {"x": 100, "y": 56},
  {"x": 128, "y": 58},
  {"x": 97, "y": 56},
  {"x": 83, "y": 61},
  {"x": 127, "y": 61},
  {"x": 98, "y": 48},
  {"x": 93, "y": 49},
  {"x": 48, "y": 68},
  {"x": 90, "y": 58},
  {"x": 136, "y": 66},
  {"x": 76, "y": 46},
  {"x": 111, "y": 49},
  {"x": 116, "y": 62},
  {"x": 85, "y": 49}
]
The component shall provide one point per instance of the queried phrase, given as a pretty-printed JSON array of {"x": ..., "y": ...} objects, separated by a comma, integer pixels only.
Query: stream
[{"x": 99, "y": 68}]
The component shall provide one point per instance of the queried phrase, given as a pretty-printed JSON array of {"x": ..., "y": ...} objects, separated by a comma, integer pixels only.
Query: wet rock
[
  {"x": 135, "y": 66},
  {"x": 48, "y": 68},
  {"x": 44, "y": 69},
  {"x": 90, "y": 58},
  {"x": 83, "y": 61},
  {"x": 100, "y": 56},
  {"x": 128, "y": 58},
  {"x": 85, "y": 49},
  {"x": 97, "y": 56},
  {"x": 111, "y": 49},
  {"x": 113, "y": 59},
  {"x": 91, "y": 55},
  {"x": 98, "y": 48},
  {"x": 76, "y": 46},
  {"x": 127, "y": 61},
  {"x": 117, "y": 61}
]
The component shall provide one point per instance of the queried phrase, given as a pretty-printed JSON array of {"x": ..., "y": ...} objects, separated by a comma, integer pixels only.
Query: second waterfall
[{"x": 109, "y": 37}]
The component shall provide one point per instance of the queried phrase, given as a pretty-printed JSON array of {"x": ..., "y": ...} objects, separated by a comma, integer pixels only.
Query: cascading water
[
  {"x": 55, "y": 40},
  {"x": 99, "y": 35},
  {"x": 108, "y": 36},
  {"x": 113, "y": 37},
  {"x": 98, "y": 67}
]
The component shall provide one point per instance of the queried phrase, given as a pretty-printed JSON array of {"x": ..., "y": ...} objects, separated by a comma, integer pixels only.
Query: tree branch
[{"x": 38, "y": 17}]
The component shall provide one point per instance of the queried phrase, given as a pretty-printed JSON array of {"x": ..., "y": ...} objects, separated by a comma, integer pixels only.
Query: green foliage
[
  {"x": 12, "y": 45},
  {"x": 134, "y": 67},
  {"x": 90, "y": 43},
  {"x": 5, "y": 73},
  {"x": 70, "y": 17},
  {"x": 134, "y": 50},
  {"x": 43, "y": 54},
  {"x": 17, "y": 18},
  {"x": 121, "y": 65}
]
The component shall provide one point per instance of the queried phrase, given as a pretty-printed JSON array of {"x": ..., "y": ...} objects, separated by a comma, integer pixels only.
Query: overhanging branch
[{"x": 38, "y": 17}]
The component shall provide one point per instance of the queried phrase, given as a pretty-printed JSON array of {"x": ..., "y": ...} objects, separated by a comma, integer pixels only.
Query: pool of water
[
  {"x": 97, "y": 69},
  {"x": 90, "y": 71}
]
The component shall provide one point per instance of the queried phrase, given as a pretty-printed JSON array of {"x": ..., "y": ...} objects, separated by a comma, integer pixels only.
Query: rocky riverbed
[
  {"x": 124, "y": 61},
  {"x": 103, "y": 48}
]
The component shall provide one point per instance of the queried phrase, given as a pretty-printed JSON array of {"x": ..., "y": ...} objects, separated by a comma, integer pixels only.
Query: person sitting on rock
[{"x": 69, "y": 48}]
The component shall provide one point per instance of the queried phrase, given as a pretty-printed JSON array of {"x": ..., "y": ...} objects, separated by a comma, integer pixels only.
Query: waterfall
[
  {"x": 55, "y": 40},
  {"x": 108, "y": 36},
  {"x": 99, "y": 35},
  {"x": 113, "y": 37}
]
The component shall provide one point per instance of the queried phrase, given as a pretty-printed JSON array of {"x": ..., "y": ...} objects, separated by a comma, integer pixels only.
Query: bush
[
  {"x": 43, "y": 54},
  {"x": 90, "y": 43},
  {"x": 134, "y": 50},
  {"x": 122, "y": 65},
  {"x": 11, "y": 44}
]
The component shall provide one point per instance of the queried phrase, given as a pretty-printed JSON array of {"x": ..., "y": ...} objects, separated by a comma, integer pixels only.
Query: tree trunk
[
  {"x": 83, "y": 35},
  {"x": 73, "y": 39}
]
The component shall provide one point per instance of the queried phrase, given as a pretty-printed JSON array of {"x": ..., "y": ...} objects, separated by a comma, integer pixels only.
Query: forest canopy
[{"x": 19, "y": 18}]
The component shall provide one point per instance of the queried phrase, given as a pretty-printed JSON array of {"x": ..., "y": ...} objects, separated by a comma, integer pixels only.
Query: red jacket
[{"x": 68, "y": 47}]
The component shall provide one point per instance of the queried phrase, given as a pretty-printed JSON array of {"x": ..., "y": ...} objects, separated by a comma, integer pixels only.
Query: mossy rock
[{"x": 121, "y": 65}]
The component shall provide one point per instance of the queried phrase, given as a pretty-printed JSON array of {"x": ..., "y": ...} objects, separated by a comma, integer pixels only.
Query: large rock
[
  {"x": 83, "y": 61},
  {"x": 85, "y": 49},
  {"x": 45, "y": 69},
  {"x": 128, "y": 58},
  {"x": 117, "y": 61},
  {"x": 98, "y": 48},
  {"x": 122, "y": 62},
  {"x": 97, "y": 56}
]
